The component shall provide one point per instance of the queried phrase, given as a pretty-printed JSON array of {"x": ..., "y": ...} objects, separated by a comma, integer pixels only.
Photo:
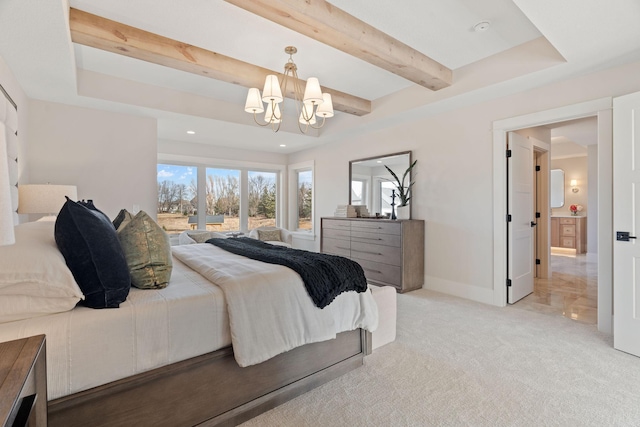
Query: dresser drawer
[
  {"x": 377, "y": 227},
  {"x": 337, "y": 233},
  {"x": 336, "y": 224},
  {"x": 376, "y": 238},
  {"x": 568, "y": 242},
  {"x": 378, "y": 272},
  {"x": 567, "y": 221},
  {"x": 336, "y": 246},
  {"x": 377, "y": 253},
  {"x": 568, "y": 230}
]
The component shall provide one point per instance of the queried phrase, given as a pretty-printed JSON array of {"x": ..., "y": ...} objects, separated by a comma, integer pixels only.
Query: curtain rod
[{"x": 8, "y": 97}]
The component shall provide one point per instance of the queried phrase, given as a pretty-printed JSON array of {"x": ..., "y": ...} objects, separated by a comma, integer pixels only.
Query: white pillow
[{"x": 34, "y": 278}]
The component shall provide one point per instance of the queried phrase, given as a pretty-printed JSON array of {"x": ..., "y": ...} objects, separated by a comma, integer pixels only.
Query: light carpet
[{"x": 460, "y": 363}]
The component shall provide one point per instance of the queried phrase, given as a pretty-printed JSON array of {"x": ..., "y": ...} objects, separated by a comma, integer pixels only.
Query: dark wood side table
[{"x": 23, "y": 382}]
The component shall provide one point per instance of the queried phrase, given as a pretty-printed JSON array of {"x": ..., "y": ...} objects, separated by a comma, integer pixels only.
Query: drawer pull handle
[
  {"x": 366, "y": 252},
  {"x": 373, "y": 271},
  {"x": 340, "y": 247},
  {"x": 368, "y": 238}
]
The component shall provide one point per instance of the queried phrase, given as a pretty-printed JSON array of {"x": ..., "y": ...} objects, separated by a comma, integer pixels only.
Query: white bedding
[
  {"x": 88, "y": 347},
  {"x": 269, "y": 309}
]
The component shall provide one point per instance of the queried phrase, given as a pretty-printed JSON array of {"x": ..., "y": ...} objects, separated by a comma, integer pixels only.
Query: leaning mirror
[
  {"x": 370, "y": 182},
  {"x": 557, "y": 188}
]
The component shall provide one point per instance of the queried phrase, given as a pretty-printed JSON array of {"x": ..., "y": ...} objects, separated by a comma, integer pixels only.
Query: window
[
  {"x": 262, "y": 199},
  {"x": 386, "y": 189},
  {"x": 358, "y": 191},
  {"x": 304, "y": 200},
  {"x": 223, "y": 199},
  {"x": 177, "y": 197},
  {"x": 232, "y": 199}
]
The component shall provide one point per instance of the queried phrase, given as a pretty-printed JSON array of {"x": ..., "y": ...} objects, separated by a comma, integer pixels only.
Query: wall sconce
[{"x": 574, "y": 185}]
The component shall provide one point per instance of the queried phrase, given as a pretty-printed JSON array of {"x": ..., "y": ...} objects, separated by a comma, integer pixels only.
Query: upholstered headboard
[{"x": 9, "y": 116}]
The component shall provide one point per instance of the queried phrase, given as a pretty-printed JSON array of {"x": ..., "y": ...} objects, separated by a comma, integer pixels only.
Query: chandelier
[{"x": 310, "y": 104}]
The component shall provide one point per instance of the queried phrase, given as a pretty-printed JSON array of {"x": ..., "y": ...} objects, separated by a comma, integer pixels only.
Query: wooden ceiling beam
[
  {"x": 332, "y": 26},
  {"x": 101, "y": 33}
]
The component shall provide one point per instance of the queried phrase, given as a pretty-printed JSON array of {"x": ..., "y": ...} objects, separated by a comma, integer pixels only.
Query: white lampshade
[
  {"x": 312, "y": 121},
  {"x": 254, "y": 103},
  {"x": 272, "y": 90},
  {"x": 312, "y": 92},
  {"x": 7, "y": 236},
  {"x": 45, "y": 198},
  {"x": 326, "y": 108},
  {"x": 273, "y": 116},
  {"x": 574, "y": 182},
  {"x": 307, "y": 113}
]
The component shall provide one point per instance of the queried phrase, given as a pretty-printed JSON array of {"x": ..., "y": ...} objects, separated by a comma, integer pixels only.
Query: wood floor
[{"x": 572, "y": 290}]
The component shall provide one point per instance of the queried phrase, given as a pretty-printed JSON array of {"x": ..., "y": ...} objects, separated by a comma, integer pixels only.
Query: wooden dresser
[
  {"x": 569, "y": 232},
  {"x": 390, "y": 252}
]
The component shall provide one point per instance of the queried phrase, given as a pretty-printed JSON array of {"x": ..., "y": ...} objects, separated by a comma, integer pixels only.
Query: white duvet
[{"x": 269, "y": 309}]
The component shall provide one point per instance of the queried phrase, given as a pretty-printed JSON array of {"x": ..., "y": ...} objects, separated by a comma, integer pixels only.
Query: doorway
[
  {"x": 602, "y": 109},
  {"x": 565, "y": 170}
]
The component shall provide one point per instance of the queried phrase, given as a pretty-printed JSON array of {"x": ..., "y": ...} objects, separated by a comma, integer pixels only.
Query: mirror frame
[
  {"x": 557, "y": 189},
  {"x": 351, "y": 162}
]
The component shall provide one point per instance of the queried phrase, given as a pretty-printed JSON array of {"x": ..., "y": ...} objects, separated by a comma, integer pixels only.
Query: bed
[{"x": 165, "y": 356}]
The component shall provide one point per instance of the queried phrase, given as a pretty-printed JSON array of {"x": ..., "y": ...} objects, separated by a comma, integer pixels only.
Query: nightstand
[{"x": 23, "y": 382}]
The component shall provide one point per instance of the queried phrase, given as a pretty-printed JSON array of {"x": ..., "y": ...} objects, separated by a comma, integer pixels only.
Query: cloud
[
  {"x": 189, "y": 171},
  {"x": 164, "y": 174}
]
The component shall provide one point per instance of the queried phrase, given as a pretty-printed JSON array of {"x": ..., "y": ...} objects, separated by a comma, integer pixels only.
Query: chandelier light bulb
[
  {"x": 273, "y": 115},
  {"x": 312, "y": 92},
  {"x": 254, "y": 103},
  {"x": 272, "y": 92},
  {"x": 325, "y": 109}
]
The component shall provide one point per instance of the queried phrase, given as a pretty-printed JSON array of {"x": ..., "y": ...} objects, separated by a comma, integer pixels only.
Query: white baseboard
[{"x": 462, "y": 290}]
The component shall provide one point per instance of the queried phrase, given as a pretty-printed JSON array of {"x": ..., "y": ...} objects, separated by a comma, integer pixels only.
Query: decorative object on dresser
[
  {"x": 23, "y": 382},
  {"x": 403, "y": 191},
  {"x": 390, "y": 252},
  {"x": 569, "y": 232}
]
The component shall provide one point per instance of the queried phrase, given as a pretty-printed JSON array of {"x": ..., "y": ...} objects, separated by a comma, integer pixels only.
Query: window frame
[
  {"x": 202, "y": 164},
  {"x": 294, "y": 170}
]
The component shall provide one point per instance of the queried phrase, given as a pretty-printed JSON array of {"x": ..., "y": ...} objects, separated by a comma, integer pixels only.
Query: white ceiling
[{"x": 577, "y": 36}]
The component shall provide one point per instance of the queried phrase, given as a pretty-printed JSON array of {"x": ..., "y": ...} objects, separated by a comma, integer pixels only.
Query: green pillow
[
  {"x": 269, "y": 235},
  {"x": 146, "y": 248}
]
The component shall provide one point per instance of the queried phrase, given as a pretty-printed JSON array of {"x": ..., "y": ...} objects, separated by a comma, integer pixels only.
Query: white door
[
  {"x": 520, "y": 208},
  {"x": 626, "y": 218}
]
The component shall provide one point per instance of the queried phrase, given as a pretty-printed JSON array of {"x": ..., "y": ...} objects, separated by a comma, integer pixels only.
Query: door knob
[{"x": 623, "y": 236}]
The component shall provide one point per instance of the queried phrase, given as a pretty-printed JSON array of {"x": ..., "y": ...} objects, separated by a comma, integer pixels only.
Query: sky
[{"x": 184, "y": 174}]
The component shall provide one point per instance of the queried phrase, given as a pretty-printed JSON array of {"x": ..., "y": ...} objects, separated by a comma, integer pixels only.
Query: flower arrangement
[{"x": 575, "y": 209}]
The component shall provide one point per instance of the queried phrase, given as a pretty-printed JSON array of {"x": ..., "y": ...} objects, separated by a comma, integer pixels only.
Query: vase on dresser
[{"x": 403, "y": 212}]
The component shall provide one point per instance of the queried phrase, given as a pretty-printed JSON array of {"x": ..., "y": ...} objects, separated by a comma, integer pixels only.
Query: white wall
[
  {"x": 110, "y": 157},
  {"x": 453, "y": 190}
]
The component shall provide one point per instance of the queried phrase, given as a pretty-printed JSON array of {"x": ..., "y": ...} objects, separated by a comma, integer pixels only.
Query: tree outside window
[
  {"x": 177, "y": 197},
  {"x": 262, "y": 199}
]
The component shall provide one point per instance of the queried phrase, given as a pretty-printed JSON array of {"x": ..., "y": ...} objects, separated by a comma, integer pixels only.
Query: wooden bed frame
[{"x": 211, "y": 390}]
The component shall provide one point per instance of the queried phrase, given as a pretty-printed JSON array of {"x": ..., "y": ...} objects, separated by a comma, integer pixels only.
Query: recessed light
[
  {"x": 191, "y": 132},
  {"x": 481, "y": 26},
  {"x": 283, "y": 145},
  {"x": 378, "y": 161}
]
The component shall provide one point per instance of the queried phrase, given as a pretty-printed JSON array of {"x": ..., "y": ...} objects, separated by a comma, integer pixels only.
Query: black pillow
[{"x": 90, "y": 246}]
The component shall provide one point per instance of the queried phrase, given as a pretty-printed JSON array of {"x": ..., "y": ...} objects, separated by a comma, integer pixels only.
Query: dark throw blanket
[{"x": 324, "y": 276}]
